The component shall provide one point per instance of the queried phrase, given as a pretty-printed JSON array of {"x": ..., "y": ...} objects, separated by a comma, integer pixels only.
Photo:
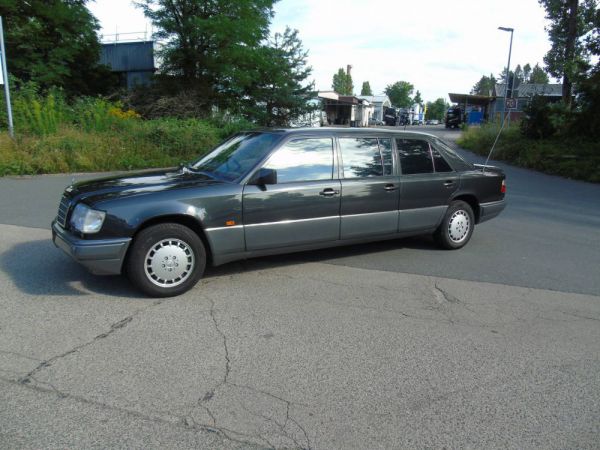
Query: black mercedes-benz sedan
[{"x": 274, "y": 191}]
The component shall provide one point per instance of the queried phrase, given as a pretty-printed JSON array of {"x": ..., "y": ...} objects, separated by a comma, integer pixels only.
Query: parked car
[
  {"x": 432, "y": 122},
  {"x": 277, "y": 191},
  {"x": 454, "y": 117}
]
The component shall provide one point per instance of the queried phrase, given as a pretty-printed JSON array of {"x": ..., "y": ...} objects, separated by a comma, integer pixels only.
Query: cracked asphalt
[{"x": 386, "y": 345}]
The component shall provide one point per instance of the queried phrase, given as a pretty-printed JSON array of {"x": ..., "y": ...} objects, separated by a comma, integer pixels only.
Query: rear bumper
[
  {"x": 490, "y": 210},
  {"x": 101, "y": 257}
]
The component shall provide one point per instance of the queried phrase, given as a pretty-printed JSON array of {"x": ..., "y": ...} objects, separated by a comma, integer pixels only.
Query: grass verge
[{"x": 577, "y": 158}]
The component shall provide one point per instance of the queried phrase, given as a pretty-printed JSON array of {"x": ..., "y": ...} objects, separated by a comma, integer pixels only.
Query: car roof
[{"x": 348, "y": 131}]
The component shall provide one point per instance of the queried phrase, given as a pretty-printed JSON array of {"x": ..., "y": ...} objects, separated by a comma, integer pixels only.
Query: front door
[
  {"x": 427, "y": 183},
  {"x": 303, "y": 206},
  {"x": 370, "y": 189}
]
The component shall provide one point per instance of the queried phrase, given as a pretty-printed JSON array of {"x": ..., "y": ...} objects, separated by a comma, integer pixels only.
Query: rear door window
[
  {"x": 415, "y": 156},
  {"x": 361, "y": 157}
]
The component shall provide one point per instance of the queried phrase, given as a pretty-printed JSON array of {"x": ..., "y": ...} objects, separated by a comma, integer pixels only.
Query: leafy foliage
[
  {"x": 436, "y": 110},
  {"x": 280, "y": 92},
  {"x": 569, "y": 22},
  {"x": 400, "y": 94},
  {"x": 54, "y": 44},
  {"x": 342, "y": 83},
  {"x": 209, "y": 43},
  {"x": 484, "y": 86},
  {"x": 366, "y": 89}
]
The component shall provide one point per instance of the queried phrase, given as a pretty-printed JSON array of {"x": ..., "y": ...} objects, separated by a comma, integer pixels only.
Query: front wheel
[
  {"x": 457, "y": 227},
  {"x": 166, "y": 260}
]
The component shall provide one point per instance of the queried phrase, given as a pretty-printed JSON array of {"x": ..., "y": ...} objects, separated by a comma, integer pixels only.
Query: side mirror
[{"x": 265, "y": 176}]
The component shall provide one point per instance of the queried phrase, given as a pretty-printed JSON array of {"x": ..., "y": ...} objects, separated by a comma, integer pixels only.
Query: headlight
[{"x": 86, "y": 219}]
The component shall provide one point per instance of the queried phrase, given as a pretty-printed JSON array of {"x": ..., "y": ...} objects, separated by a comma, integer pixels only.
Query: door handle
[
  {"x": 449, "y": 183},
  {"x": 390, "y": 187},
  {"x": 328, "y": 192}
]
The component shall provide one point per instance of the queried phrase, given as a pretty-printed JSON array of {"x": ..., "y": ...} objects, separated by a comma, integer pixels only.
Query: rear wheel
[
  {"x": 457, "y": 227},
  {"x": 166, "y": 260}
]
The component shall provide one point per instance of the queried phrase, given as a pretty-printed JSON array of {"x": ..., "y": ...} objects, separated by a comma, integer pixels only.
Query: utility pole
[
  {"x": 507, "y": 74},
  {"x": 11, "y": 129}
]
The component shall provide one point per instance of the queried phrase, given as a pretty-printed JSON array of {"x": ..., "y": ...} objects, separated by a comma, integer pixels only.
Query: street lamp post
[
  {"x": 11, "y": 130},
  {"x": 507, "y": 74}
]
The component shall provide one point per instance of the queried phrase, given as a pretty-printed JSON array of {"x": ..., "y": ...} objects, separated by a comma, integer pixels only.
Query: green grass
[
  {"x": 89, "y": 134},
  {"x": 139, "y": 145},
  {"x": 577, "y": 158}
]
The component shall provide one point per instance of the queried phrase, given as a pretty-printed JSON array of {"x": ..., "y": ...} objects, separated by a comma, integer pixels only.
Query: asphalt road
[{"x": 386, "y": 345}]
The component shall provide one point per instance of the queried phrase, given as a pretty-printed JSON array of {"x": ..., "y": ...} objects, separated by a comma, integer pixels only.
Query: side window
[
  {"x": 303, "y": 160},
  {"x": 385, "y": 146},
  {"x": 439, "y": 163},
  {"x": 361, "y": 157},
  {"x": 415, "y": 156}
]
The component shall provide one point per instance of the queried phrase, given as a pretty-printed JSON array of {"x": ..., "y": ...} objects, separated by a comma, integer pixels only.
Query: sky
[{"x": 439, "y": 46}]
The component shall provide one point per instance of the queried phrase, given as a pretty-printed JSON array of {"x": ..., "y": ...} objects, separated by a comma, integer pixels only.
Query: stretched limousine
[{"x": 274, "y": 191}]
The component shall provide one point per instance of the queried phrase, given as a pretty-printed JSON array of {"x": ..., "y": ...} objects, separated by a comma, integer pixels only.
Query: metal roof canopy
[{"x": 469, "y": 99}]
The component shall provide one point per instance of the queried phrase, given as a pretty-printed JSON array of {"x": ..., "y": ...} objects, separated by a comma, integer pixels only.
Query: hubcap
[
  {"x": 169, "y": 262},
  {"x": 458, "y": 226}
]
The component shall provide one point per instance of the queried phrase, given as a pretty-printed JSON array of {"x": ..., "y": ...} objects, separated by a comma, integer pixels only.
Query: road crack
[{"x": 113, "y": 328}]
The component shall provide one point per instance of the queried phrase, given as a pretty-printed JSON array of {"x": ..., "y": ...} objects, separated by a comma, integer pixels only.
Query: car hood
[{"x": 108, "y": 188}]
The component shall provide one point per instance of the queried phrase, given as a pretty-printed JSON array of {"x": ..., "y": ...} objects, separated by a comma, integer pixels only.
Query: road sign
[{"x": 511, "y": 103}]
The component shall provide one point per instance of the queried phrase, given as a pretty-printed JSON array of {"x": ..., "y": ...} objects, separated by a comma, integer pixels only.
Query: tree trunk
[{"x": 570, "y": 51}]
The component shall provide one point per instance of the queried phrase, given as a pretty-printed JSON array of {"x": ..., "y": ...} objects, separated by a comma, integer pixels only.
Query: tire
[
  {"x": 457, "y": 227},
  {"x": 166, "y": 260}
]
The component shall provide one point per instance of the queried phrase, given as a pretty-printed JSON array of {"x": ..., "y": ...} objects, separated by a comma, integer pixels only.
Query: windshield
[{"x": 236, "y": 156}]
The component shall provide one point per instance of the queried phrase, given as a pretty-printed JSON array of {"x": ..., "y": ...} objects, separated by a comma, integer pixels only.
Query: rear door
[
  {"x": 370, "y": 188},
  {"x": 303, "y": 207},
  {"x": 427, "y": 183}
]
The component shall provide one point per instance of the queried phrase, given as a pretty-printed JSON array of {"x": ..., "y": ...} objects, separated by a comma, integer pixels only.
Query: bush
[
  {"x": 571, "y": 157},
  {"x": 93, "y": 134}
]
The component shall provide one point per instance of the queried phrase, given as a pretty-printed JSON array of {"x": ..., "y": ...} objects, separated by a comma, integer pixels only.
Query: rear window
[{"x": 455, "y": 160}]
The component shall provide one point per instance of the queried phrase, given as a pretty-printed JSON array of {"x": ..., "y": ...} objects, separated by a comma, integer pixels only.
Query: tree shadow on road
[{"x": 39, "y": 268}]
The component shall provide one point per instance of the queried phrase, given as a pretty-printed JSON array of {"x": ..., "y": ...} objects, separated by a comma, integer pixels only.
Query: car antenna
[{"x": 494, "y": 145}]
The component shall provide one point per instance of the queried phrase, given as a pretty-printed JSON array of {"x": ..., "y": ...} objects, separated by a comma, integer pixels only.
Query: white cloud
[{"x": 440, "y": 46}]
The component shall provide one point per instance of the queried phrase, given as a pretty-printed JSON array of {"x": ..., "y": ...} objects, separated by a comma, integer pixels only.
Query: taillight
[{"x": 503, "y": 187}]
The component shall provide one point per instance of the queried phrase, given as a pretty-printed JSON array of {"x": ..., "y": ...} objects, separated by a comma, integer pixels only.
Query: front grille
[{"x": 63, "y": 211}]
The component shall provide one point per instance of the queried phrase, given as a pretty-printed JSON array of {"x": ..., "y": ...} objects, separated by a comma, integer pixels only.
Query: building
[
  {"x": 345, "y": 109},
  {"x": 379, "y": 103},
  {"x": 523, "y": 95},
  {"x": 132, "y": 61}
]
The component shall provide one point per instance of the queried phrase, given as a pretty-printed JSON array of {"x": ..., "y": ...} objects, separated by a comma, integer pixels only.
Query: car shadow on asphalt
[
  {"x": 39, "y": 268},
  {"x": 332, "y": 254}
]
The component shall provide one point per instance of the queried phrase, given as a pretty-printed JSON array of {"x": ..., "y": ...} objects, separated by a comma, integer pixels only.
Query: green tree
[
  {"x": 569, "y": 22},
  {"x": 538, "y": 75},
  {"x": 436, "y": 110},
  {"x": 342, "y": 83},
  {"x": 208, "y": 44},
  {"x": 366, "y": 89},
  {"x": 484, "y": 86},
  {"x": 400, "y": 94},
  {"x": 418, "y": 98},
  {"x": 526, "y": 72},
  {"x": 280, "y": 92},
  {"x": 54, "y": 43}
]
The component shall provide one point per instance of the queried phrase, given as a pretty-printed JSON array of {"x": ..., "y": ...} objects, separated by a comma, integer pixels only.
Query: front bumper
[
  {"x": 100, "y": 256},
  {"x": 490, "y": 210}
]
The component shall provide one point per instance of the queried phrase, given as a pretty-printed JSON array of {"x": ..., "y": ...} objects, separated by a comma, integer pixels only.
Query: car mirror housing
[{"x": 265, "y": 176}]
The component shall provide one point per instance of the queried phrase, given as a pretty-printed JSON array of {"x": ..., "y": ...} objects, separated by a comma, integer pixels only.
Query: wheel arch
[
  {"x": 182, "y": 219},
  {"x": 473, "y": 202}
]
